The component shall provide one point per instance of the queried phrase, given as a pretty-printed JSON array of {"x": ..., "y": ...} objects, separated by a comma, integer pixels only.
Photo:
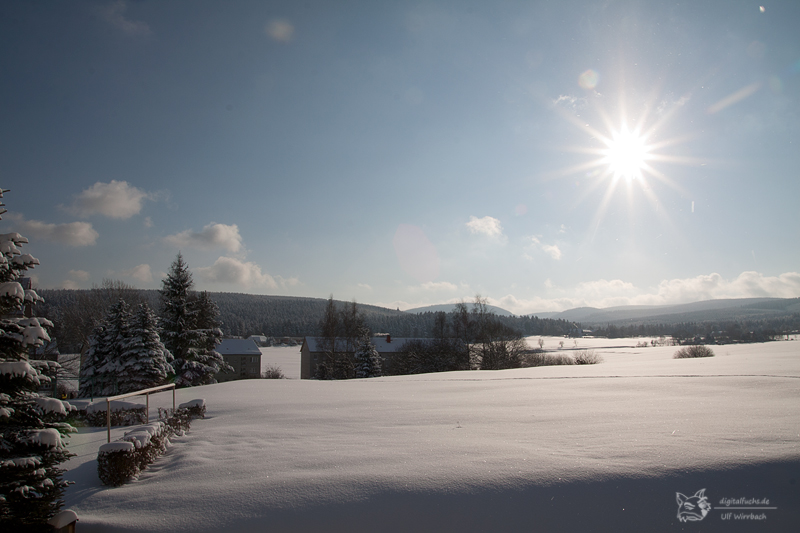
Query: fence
[{"x": 146, "y": 392}]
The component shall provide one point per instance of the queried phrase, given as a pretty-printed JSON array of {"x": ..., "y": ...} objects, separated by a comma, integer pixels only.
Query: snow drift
[{"x": 573, "y": 448}]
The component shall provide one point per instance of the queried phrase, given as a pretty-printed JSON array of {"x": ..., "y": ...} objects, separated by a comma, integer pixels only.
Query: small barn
[{"x": 243, "y": 355}]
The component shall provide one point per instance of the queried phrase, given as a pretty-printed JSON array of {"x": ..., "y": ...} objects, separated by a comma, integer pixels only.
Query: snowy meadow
[{"x": 572, "y": 448}]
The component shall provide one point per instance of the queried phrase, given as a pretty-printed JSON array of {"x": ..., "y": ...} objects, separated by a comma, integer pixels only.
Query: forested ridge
[{"x": 291, "y": 316}]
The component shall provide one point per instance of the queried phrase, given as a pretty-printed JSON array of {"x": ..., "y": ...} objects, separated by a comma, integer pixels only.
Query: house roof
[
  {"x": 238, "y": 347},
  {"x": 317, "y": 344}
]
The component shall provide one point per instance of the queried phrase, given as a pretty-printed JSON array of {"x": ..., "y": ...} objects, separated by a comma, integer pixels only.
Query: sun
[{"x": 626, "y": 154}]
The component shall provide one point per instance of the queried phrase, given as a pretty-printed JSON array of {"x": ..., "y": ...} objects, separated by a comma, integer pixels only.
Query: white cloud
[
  {"x": 69, "y": 284},
  {"x": 231, "y": 270},
  {"x": 80, "y": 275},
  {"x": 116, "y": 199},
  {"x": 114, "y": 14},
  {"x": 439, "y": 286},
  {"x": 287, "y": 282},
  {"x": 148, "y": 222},
  {"x": 609, "y": 293},
  {"x": 212, "y": 236},
  {"x": 364, "y": 286},
  {"x": 746, "y": 285},
  {"x": 70, "y": 234},
  {"x": 141, "y": 273},
  {"x": 570, "y": 102},
  {"x": 279, "y": 30},
  {"x": 487, "y": 225},
  {"x": 550, "y": 249}
]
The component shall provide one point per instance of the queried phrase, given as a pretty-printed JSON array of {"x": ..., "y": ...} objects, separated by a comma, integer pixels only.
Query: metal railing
[{"x": 146, "y": 392}]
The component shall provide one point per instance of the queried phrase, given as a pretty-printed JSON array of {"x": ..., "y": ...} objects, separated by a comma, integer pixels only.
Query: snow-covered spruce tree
[
  {"x": 32, "y": 430},
  {"x": 367, "y": 359},
  {"x": 189, "y": 328},
  {"x": 93, "y": 361},
  {"x": 144, "y": 361},
  {"x": 100, "y": 370},
  {"x": 209, "y": 336}
]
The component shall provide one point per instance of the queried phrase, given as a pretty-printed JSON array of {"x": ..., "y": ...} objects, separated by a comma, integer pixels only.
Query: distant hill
[
  {"x": 448, "y": 308},
  {"x": 293, "y": 316},
  {"x": 705, "y": 311}
]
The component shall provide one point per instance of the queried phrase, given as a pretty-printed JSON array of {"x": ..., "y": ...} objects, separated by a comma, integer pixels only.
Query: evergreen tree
[
  {"x": 177, "y": 313},
  {"x": 145, "y": 360},
  {"x": 116, "y": 335},
  {"x": 93, "y": 361},
  {"x": 190, "y": 328},
  {"x": 32, "y": 431},
  {"x": 206, "y": 361},
  {"x": 367, "y": 359}
]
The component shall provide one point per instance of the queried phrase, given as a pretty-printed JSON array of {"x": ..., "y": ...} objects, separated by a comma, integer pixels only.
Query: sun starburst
[{"x": 624, "y": 151}]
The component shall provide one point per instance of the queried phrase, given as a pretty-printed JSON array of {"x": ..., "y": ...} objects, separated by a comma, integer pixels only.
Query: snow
[
  {"x": 49, "y": 437},
  {"x": 18, "y": 369},
  {"x": 22, "y": 461},
  {"x": 62, "y": 519},
  {"x": 140, "y": 439},
  {"x": 53, "y": 405},
  {"x": 287, "y": 358},
  {"x": 571, "y": 448},
  {"x": 122, "y": 446},
  {"x": 193, "y": 403},
  {"x": 12, "y": 289}
]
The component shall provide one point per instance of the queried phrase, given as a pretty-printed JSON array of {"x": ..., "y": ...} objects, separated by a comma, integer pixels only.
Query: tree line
[
  {"x": 461, "y": 340},
  {"x": 721, "y": 332},
  {"x": 77, "y": 312}
]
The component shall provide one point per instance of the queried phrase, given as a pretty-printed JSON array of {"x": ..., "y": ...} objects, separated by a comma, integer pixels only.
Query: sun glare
[
  {"x": 623, "y": 159},
  {"x": 626, "y": 154}
]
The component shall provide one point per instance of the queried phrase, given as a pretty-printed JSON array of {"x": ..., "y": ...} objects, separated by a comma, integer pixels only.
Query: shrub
[
  {"x": 697, "y": 350},
  {"x": 539, "y": 358},
  {"x": 178, "y": 420},
  {"x": 196, "y": 408},
  {"x": 122, "y": 414},
  {"x": 587, "y": 357},
  {"x": 273, "y": 372},
  {"x": 117, "y": 463}
]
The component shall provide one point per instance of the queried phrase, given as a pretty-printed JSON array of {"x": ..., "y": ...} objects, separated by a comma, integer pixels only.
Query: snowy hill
[
  {"x": 709, "y": 310},
  {"x": 572, "y": 448},
  {"x": 448, "y": 308}
]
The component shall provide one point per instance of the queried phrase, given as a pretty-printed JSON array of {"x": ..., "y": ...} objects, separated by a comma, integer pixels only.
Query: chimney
[{"x": 388, "y": 338}]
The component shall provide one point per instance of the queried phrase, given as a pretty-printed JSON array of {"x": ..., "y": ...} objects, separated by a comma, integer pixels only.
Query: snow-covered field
[
  {"x": 287, "y": 358},
  {"x": 562, "y": 448}
]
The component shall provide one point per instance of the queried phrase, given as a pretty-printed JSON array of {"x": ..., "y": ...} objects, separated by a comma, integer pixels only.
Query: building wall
[
  {"x": 244, "y": 367},
  {"x": 306, "y": 370}
]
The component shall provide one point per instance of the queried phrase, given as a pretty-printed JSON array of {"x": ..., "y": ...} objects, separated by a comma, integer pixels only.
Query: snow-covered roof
[
  {"x": 395, "y": 344},
  {"x": 238, "y": 347}
]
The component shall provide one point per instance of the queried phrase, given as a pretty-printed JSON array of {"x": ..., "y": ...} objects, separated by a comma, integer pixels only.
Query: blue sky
[{"x": 408, "y": 153}]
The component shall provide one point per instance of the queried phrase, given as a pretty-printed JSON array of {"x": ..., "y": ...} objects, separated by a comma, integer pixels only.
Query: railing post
[
  {"x": 146, "y": 392},
  {"x": 108, "y": 418}
]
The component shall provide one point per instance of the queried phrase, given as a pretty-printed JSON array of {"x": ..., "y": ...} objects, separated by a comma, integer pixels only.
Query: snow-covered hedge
[
  {"x": 116, "y": 463},
  {"x": 121, "y": 461},
  {"x": 196, "y": 408},
  {"x": 122, "y": 413}
]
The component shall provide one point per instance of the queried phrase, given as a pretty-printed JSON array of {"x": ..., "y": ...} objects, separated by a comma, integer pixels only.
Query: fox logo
[{"x": 692, "y": 508}]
